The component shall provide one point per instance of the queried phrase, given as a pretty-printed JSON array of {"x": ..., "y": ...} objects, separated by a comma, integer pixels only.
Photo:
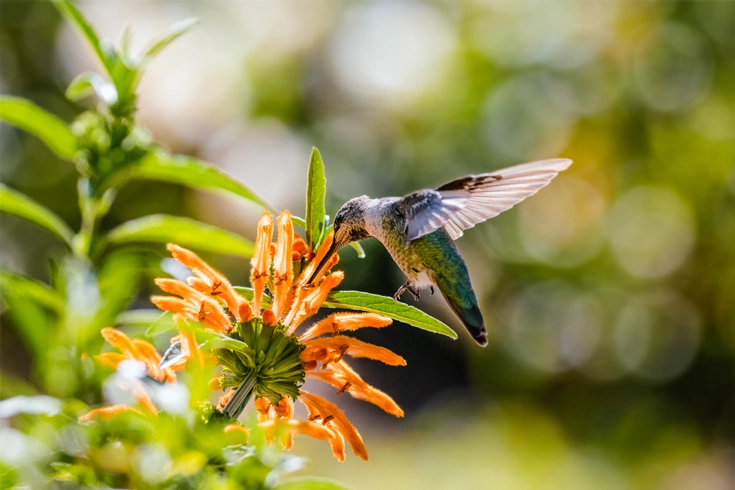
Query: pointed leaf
[
  {"x": 316, "y": 191},
  {"x": 32, "y": 290},
  {"x": 373, "y": 303},
  {"x": 28, "y": 302},
  {"x": 222, "y": 341},
  {"x": 300, "y": 222},
  {"x": 73, "y": 15},
  {"x": 29, "y": 117},
  {"x": 358, "y": 248},
  {"x": 167, "y": 37},
  {"x": 186, "y": 171},
  {"x": 310, "y": 483},
  {"x": 17, "y": 204},
  {"x": 186, "y": 232}
]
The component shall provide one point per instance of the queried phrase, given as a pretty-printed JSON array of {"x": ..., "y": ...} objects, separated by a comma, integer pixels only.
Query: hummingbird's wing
[{"x": 464, "y": 202}]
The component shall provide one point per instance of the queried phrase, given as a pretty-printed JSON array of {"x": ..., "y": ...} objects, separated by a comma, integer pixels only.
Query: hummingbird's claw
[
  {"x": 431, "y": 288},
  {"x": 408, "y": 287}
]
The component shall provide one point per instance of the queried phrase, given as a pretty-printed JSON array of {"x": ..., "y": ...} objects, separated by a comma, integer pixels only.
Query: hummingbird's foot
[
  {"x": 407, "y": 287},
  {"x": 431, "y": 288}
]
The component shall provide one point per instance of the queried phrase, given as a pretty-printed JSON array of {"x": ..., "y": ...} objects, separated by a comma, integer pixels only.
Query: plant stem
[{"x": 240, "y": 399}]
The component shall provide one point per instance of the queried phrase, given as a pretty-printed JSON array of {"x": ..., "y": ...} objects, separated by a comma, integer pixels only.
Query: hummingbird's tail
[{"x": 463, "y": 301}]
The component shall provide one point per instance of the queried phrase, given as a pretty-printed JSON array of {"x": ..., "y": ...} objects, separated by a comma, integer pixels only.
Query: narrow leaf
[
  {"x": 167, "y": 37},
  {"x": 31, "y": 290},
  {"x": 185, "y": 171},
  {"x": 310, "y": 483},
  {"x": 29, "y": 303},
  {"x": 73, "y": 15},
  {"x": 222, "y": 341},
  {"x": 358, "y": 248},
  {"x": 300, "y": 222},
  {"x": 186, "y": 232},
  {"x": 163, "y": 323},
  {"x": 27, "y": 116},
  {"x": 373, "y": 303},
  {"x": 316, "y": 191},
  {"x": 17, "y": 204}
]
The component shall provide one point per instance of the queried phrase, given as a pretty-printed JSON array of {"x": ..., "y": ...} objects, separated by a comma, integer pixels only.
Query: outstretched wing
[{"x": 462, "y": 203}]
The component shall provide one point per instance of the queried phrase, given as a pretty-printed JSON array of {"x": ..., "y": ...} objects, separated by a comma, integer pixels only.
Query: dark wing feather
[{"x": 464, "y": 202}]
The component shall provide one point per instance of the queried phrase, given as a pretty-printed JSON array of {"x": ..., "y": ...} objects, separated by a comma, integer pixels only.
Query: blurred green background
[{"x": 610, "y": 295}]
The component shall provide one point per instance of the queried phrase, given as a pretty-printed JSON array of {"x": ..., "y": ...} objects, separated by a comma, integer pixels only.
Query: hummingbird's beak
[{"x": 332, "y": 249}]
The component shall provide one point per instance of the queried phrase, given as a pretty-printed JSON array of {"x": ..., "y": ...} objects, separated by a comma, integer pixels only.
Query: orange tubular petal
[
  {"x": 245, "y": 312},
  {"x": 269, "y": 318},
  {"x": 342, "y": 322},
  {"x": 312, "y": 429},
  {"x": 261, "y": 259},
  {"x": 177, "y": 305},
  {"x": 342, "y": 377},
  {"x": 338, "y": 421},
  {"x": 207, "y": 310},
  {"x": 216, "y": 382},
  {"x": 237, "y": 429},
  {"x": 313, "y": 300},
  {"x": 355, "y": 348},
  {"x": 107, "y": 413},
  {"x": 199, "y": 284},
  {"x": 283, "y": 266},
  {"x": 145, "y": 401},
  {"x": 111, "y": 359},
  {"x": 299, "y": 245},
  {"x": 218, "y": 284},
  {"x": 311, "y": 268},
  {"x": 122, "y": 342},
  {"x": 174, "y": 286},
  {"x": 151, "y": 358},
  {"x": 333, "y": 260}
]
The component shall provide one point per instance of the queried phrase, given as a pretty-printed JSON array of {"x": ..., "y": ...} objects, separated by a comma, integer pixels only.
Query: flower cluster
[{"x": 254, "y": 339}]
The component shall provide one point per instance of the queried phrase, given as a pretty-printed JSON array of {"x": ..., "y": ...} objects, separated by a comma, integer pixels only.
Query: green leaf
[
  {"x": 160, "y": 228},
  {"x": 162, "y": 322},
  {"x": 310, "y": 483},
  {"x": 17, "y": 204},
  {"x": 32, "y": 290},
  {"x": 222, "y": 341},
  {"x": 373, "y": 303},
  {"x": 185, "y": 171},
  {"x": 87, "y": 83},
  {"x": 73, "y": 15},
  {"x": 316, "y": 191},
  {"x": 169, "y": 36},
  {"x": 28, "y": 302},
  {"x": 358, "y": 248},
  {"x": 27, "y": 116},
  {"x": 298, "y": 222}
]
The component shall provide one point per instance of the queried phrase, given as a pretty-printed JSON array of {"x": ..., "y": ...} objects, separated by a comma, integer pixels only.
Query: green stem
[{"x": 242, "y": 396}]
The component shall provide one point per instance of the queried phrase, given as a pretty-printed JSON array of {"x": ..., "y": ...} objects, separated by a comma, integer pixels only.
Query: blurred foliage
[{"x": 609, "y": 293}]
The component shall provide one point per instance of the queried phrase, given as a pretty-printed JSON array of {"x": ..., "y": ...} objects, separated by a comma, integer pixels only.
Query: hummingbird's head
[
  {"x": 349, "y": 222},
  {"x": 349, "y": 226}
]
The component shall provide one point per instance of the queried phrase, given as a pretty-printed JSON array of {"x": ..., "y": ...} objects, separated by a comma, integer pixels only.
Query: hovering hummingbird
[{"x": 419, "y": 229}]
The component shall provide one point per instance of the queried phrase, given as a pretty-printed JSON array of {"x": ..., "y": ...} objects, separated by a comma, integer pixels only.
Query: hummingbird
[{"x": 419, "y": 230}]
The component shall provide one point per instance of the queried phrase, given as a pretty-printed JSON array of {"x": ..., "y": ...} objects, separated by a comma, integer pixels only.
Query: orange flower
[
  {"x": 137, "y": 350},
  {"x": 260, "y": 352}
]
